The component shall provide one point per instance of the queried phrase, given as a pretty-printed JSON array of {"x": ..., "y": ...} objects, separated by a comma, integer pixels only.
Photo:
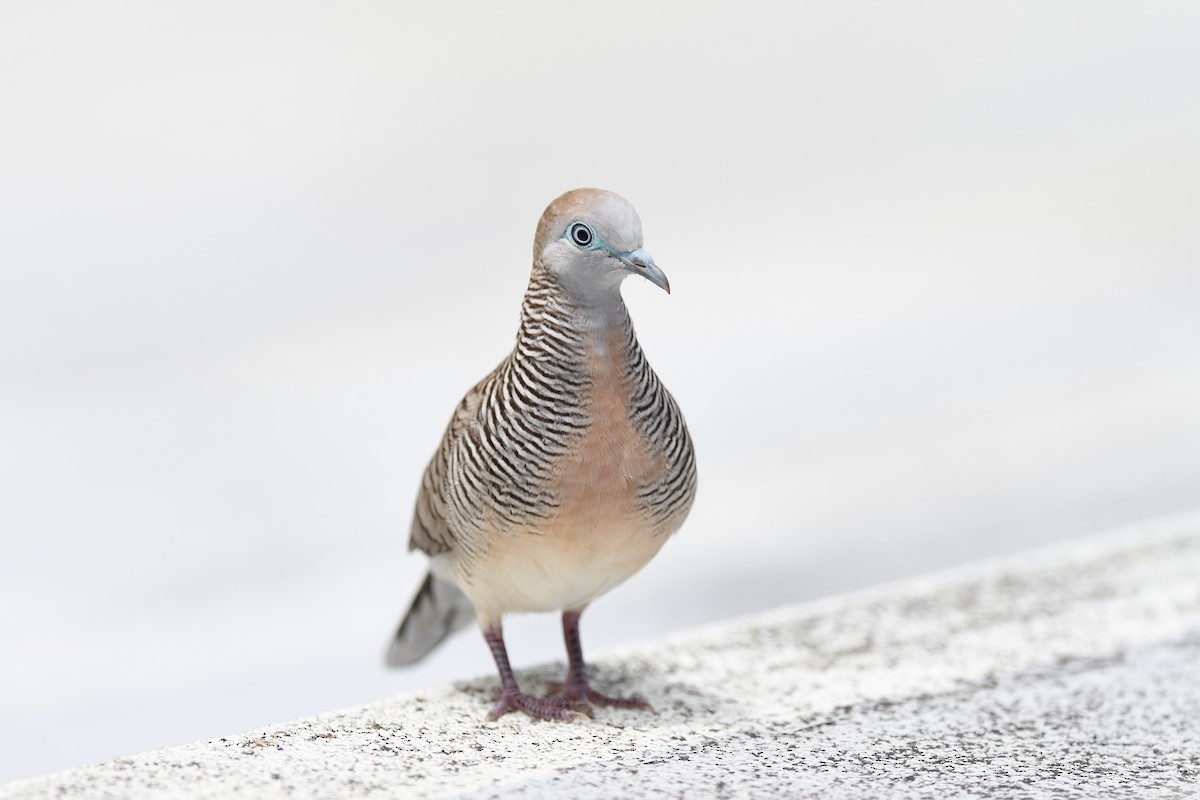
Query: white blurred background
[{"x": 936, "y": 272}]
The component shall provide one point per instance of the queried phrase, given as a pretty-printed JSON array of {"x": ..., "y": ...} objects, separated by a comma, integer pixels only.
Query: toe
[
  {"x": 535, "y": 707},
  {"x": 634, "y": 703}
]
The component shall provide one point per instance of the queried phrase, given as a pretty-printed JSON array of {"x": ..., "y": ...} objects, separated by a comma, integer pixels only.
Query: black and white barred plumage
[{"x": 498, "y": 455}]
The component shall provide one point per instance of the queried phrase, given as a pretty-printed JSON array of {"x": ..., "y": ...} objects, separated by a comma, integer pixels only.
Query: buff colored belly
[{"x": 546, "y": 572}]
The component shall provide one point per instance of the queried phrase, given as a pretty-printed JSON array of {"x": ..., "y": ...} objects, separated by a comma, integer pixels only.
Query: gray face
[{"x": 592, "y": 239}]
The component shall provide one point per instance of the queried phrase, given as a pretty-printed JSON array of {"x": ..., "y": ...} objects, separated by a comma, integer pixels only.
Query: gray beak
[{"x": 639, "y": 262}]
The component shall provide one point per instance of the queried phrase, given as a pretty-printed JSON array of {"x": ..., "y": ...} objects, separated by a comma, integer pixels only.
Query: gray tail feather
[{"x": 438, "y": 610}]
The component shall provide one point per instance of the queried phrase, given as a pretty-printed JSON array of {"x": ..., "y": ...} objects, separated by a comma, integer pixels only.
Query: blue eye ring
[{"x": 581, "y": 235}]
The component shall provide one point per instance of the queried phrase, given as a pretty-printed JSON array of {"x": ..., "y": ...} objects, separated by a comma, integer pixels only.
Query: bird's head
[{"x": 591, "y": 240}]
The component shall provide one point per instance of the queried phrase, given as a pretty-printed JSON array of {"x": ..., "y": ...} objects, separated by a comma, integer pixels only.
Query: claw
[
  {"x": 515, "y": 700},
  {"x": 580, "y": 693}
]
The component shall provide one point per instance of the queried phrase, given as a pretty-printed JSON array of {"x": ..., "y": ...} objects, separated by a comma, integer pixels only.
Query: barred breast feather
[{"x": 572, "y": 436}]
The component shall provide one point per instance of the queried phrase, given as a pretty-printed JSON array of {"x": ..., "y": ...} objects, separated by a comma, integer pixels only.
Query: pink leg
[
  {"x": 576, "y": 689},
  {"x": 511, "y": 698}
]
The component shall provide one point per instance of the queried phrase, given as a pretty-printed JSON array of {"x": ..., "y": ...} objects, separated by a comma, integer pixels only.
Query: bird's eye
[{"x": 581, "y": 234}]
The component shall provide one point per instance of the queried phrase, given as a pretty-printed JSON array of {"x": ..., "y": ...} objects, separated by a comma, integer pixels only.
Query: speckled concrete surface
[{"x": 1067, "y": 672}]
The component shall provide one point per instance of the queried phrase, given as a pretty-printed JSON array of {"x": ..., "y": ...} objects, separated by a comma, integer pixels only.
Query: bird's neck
[
  {"x": 606, "y": 324},
  {"x": 566, "y": 322}
]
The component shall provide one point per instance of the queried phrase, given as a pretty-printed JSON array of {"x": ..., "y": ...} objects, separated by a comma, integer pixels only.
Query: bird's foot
[
  {"x": 574, "y": 693},
  {"x": 515, "y": 700}
]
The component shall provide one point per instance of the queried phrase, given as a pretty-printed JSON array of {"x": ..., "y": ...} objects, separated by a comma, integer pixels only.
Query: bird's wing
[{"x": 444, "y": 501}]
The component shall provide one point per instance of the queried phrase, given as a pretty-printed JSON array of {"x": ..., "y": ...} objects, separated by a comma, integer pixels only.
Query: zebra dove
[{"x": 562, "y": 472}]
